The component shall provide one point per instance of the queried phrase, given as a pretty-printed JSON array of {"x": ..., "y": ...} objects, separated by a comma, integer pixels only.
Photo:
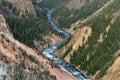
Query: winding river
[{"x": 49, "y": 52}]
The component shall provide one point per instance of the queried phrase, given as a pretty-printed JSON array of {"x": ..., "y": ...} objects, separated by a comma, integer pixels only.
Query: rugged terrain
[
  {"x": 94, "y": 47},
  {"x": 18, "y": 7},
  {"x": 17, "y": 60},
  {"x": 15, "y": 55},
  {"x": 95, "y": 44}
]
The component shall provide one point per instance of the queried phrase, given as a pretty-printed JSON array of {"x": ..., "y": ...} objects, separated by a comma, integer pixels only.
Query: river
[{"x": 49, "y": 52}]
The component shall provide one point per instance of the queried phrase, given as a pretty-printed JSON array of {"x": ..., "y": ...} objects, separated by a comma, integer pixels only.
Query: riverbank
[{"x": 50, "y": 52}]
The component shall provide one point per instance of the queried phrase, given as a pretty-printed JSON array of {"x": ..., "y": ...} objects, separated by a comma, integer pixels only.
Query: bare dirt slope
[
  {"x": 80, "y": 37},
  {"x": 113, "y": 73}
]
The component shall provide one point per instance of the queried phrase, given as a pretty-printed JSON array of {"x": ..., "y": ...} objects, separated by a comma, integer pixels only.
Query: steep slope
[
  {"x": 31, "y": 31},
  {"x": 80, "y": 38},
  {"x": 4, "y": 26},
  {"x": 27, "y": 27},
  {"x": 96, "y": 55},
  {"x": 93, "y": 48},
  {"x": 18, "y": 7},
  {"x": 17, "y": 60},
  {"x": 96, "y": 13},
  {"x": 113, "y": 73},
  {"x": 74, "y": 10}
]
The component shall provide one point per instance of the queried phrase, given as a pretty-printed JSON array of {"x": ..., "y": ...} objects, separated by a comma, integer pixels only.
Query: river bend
[{"x": 49, "y": 52}]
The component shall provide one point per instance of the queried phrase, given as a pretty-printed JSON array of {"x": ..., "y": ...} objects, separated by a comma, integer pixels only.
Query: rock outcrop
[{"x": 4, "y": 26}]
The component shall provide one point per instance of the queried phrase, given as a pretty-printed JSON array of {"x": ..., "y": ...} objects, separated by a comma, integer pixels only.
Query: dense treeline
[
  {"x": 100, "y": 55},
  {"x": 28, "y": 29},
  {"x": 66, "y": 17}
]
